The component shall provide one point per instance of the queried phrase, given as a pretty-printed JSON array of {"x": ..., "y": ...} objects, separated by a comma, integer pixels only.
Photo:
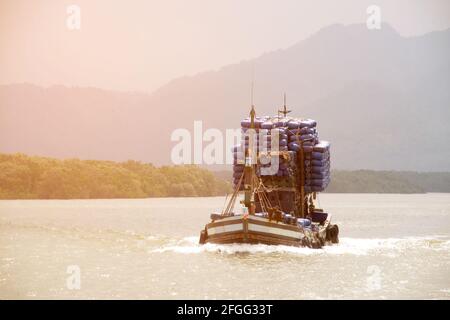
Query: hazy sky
[{"x": 142, "y": 44}]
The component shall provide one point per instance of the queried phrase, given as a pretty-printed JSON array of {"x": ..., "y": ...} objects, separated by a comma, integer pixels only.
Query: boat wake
[{"x": 355, "y": 246}]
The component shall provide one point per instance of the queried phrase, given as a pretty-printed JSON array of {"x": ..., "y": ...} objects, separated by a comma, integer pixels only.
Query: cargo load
[
  {"x": 279, "y": 166},
  {"x": 290, "y": 136}
]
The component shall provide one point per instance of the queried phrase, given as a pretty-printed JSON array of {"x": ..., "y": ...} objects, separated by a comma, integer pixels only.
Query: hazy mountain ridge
[{"x": 381, "y": 99}]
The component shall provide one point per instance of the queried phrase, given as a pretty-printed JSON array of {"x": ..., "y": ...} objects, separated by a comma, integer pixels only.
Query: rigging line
[
  {"x": 233, "y": 197},
  {"x": 261, "y": 202},
  {"x": 231, "y": 204},
  {"x": 225, "y": 203},
  {"x": 228, "y": 204},
  {"x": 276, "y": 192},
  {"x": 237, "y": 191},
  {"x": 258, "y": 192},
  {"x": 253, "y": 81},
  {"x": 263, "y": 192},
  {"x": 318, "y": 199}
]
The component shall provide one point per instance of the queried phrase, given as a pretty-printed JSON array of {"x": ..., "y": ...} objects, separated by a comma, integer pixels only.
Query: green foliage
[
  {"x": 26, "y": 177},
  {"x": 369, "y": 181}
]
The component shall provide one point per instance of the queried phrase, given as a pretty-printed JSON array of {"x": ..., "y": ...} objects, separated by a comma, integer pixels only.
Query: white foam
[{"x": 355, "y": 246}]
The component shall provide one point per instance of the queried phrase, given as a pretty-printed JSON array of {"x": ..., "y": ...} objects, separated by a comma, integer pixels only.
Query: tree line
[
  {"x": 370, "y": 181},
  {"x": 31, "y": 177}
]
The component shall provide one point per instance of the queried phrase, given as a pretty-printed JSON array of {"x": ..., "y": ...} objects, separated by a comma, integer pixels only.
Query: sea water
[{"x": 391, "y": 246}]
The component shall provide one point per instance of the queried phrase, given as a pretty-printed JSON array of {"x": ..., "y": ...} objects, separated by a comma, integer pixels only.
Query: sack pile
[
  {"x": 317, "y": 167},
  {"x": 285, "y": 138}
]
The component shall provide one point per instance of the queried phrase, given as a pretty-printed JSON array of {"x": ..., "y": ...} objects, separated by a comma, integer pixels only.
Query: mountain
[{"x": 380, "y": 98}]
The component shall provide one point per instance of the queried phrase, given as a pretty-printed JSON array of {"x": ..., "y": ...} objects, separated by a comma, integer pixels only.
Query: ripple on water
[{"x": 354, "y": 246}]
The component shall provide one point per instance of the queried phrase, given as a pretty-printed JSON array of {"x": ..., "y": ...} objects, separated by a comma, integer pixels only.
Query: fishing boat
[{"x": 264, "y": 218}]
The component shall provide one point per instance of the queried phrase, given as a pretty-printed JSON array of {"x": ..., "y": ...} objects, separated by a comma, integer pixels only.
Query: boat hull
[{"x": 253, "y": 230}]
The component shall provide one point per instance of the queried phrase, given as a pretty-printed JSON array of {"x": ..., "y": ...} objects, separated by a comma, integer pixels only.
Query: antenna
[
  {"x": 253, "y": 81},
  {"x": 284, "y": 111},
  {"x": 251, "y": 99}
]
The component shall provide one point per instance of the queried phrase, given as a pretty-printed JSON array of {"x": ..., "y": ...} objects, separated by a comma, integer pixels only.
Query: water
[{"x": 392, "y": 246}]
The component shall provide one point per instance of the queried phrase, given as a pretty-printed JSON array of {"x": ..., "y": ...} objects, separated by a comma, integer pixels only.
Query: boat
[{"x": 264, "y": 218}]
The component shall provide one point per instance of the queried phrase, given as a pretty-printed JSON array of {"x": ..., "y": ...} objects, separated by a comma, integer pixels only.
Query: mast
[
  {"x": 302, "y": 180},
  {"x": 284, "y": 111},
  {"x": 249, "y": 195},
  {"x": 301, "y": 163}
]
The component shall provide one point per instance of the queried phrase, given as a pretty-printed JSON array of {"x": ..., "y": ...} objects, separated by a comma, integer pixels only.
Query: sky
[{"x": 139, "y": 45}]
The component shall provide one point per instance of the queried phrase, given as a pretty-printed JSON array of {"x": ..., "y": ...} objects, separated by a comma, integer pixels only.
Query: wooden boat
[
  {"x": 254, "y": 229},
  {"x": 305, "y": 226}
]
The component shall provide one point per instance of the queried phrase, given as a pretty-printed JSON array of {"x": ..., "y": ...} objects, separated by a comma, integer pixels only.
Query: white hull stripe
[
  {"x": 257, "y": 218},
  {"x": 276, "y": 231},
  {"x": 249, "y": 217},
  {"x": 232, "y": 218},
  {"x": 254, "y": 227},
  {"x": 226, "y": 228}
]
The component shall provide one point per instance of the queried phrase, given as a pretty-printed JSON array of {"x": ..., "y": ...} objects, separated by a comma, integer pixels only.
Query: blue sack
[
  {"x": 304, "y": 223},
  {"x": 321, "y": 162},
  {"x": 322, "y": 146},
  {"x": 304, "y": 130},
  {"x": 308, "y": 123},
  {"x": 320, "y": 155},
  {"x": 267, "y": 125}
]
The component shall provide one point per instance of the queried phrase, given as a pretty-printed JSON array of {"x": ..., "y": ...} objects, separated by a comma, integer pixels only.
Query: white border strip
[
  {"x": 275, "y": 231},
  {"x": 226, "y": 228},
  {"x": 230, "y": 218},
  {"x": 251, "y": 217}
]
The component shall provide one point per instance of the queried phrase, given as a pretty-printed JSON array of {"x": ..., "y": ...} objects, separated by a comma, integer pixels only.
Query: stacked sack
[
  {"x": 302, "y": 132},
  {"x": 287, "y": 164},
  {"x": 245, "y": 139},
  {"x": 292, "y": 136},
  {"x": 317, "y": 167},
  {"x": 275, "y": 137},
  {"x": 238, "y": 163},
  {"x": 239, "y": 150}
]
